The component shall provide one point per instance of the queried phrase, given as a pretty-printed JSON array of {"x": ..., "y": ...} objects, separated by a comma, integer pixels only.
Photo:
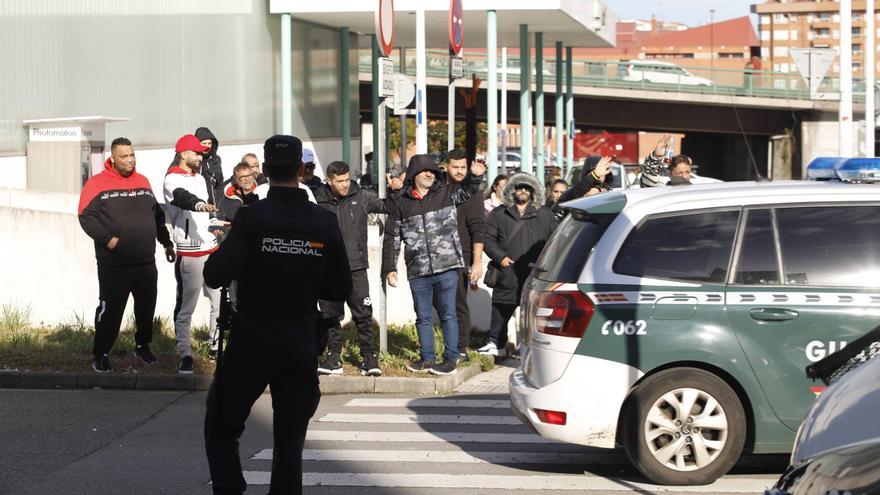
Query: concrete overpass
[{"x": 724, "y": 131}]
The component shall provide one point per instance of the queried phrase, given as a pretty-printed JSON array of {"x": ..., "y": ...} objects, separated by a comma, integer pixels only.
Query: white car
[{"x": 654, "y": 71}]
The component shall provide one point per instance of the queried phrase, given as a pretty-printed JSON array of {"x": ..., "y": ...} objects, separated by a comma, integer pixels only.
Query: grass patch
[
  {"x": 403, "y": 348},
  {"x": 68, "y": 346}
]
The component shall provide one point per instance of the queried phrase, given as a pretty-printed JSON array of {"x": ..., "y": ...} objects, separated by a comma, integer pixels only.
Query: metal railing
[{"x": 644, "y": 74}]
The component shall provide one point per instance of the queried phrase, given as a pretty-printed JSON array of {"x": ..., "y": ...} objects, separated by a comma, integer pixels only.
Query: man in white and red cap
[{"x": 186, "y": 196}]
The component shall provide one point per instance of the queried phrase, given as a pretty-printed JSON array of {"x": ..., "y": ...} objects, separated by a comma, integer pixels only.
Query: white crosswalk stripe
[
  {"x": 449, "y": 419},
  {"x": 436, "y": 456},
  {"x": 510, "y": 482},
  {"x": 456, "y": 443}
]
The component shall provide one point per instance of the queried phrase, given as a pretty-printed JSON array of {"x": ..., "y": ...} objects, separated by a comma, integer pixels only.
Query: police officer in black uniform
[{"x": 285, "y": 253}]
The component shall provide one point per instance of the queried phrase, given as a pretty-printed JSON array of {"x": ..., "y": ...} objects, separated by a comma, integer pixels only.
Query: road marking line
[
  {"x": 432, "y": 402},
  {"x": 444, "y": 456},
  {"x": 731, "y": 484},
  {"x": 449, "y": 419},
  {"x": 423, "y": 436}
]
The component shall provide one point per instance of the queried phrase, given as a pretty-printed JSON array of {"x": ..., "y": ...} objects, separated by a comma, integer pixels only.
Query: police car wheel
[{"x": 684, "y": 426}]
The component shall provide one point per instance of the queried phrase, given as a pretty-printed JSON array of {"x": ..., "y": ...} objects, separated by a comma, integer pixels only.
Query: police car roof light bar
[{"x": 856, "y": 170}]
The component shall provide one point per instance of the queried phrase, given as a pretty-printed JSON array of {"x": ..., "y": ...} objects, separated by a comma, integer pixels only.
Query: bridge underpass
[{"x": 724, "y": 146}]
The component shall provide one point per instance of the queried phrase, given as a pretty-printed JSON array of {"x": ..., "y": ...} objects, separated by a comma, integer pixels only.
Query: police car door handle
[{"x": 773, "y": 314}]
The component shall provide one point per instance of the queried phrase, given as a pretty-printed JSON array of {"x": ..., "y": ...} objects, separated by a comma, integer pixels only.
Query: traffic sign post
[
  {"x": 385, "y": 39},
  {"x": 456, "y": 63}
]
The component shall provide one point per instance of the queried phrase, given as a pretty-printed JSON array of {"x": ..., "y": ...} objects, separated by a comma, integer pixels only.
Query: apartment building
[{"x": 787, "y": 24}]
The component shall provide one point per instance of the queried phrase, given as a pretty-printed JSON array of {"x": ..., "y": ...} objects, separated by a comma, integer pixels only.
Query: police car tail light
[
  {"x": 563, "y": 313},
  {"x": 551, "y": 417}
]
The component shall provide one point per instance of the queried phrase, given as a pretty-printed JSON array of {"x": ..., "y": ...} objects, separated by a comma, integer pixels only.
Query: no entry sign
[
  {"x": 385, "y": 26},
  {"x": 456, "y": 27}
]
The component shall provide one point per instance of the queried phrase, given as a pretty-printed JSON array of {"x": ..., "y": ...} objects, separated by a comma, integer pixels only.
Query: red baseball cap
[{"x": 190, "y": 143}]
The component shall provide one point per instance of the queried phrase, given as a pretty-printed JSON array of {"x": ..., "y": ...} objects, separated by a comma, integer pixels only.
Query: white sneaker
[{"x": 489, "y": 349}]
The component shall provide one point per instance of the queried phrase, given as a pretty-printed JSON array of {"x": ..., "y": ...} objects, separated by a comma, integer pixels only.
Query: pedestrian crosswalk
[{"x": 457, "y": 444}]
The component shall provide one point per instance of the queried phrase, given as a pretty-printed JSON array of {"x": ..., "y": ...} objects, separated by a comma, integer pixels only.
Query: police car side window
[
  {"x": 694, "y": 247},
  {"x": 757, "y": 263},
  {"x": 837, "y": 246}
]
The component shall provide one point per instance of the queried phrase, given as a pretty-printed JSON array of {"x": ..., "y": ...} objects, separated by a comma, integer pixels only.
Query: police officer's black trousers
[
  {"x": 361, "y": 313},
  {"x": 115, "y": 283},
  {"x": 285, "y": 359}
]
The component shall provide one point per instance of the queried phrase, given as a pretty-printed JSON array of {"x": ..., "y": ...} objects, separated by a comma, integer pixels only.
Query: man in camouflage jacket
[{"x": 424, "y": 218}]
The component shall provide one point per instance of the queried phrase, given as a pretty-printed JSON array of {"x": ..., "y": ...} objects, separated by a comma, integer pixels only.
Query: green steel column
[
  {"x": 569, "y": 113},
  {"x": 560, "y": 110},
  {"x": 374, "y": 169},
  {"x": 525, "y": 100},
  {"x": 539, "y": 106},
  {"x": 345, "y": 88},
  {"x": 286, "y": 75},
  {"x": 492, "y": 93}
]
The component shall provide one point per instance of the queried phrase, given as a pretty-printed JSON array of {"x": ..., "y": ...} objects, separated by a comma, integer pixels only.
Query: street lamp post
[{"x": 712, "y": 43}]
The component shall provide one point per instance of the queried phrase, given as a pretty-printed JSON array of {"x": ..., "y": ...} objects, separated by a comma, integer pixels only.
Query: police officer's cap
[{"x": 282, "y": 150}]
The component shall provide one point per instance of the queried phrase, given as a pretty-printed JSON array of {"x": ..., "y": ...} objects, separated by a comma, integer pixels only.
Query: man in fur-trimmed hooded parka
[{"x": 515, "y": 235}]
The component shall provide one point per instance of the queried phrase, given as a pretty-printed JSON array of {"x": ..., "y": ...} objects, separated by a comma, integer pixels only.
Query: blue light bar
[
  {"x": 825, "y": 168},
  {"x": 860, "y": 170}
]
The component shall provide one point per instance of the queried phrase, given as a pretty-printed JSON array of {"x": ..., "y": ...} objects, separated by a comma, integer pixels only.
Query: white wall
[
  {"x": 13, "y": 169},
  {"x": 822, "y": 139},
  {"x": 50, "y": 265}
]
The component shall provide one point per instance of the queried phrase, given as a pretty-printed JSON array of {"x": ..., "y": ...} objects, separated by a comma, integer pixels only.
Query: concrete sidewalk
[
  {"x": 490, "y": 382},
  {"x": 138, "y": 381}
]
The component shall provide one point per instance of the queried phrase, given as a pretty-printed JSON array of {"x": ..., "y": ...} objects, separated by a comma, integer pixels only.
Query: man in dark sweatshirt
[
  {"x": 471, "y": 228},
  {"x": 118, "y": 210},
  {"x": 212, "y": 165}
]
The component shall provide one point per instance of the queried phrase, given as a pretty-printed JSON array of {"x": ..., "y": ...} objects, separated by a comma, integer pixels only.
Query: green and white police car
[{"x": 677, "y": 322}]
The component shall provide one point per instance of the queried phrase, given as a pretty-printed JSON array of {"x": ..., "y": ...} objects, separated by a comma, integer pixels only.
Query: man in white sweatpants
[{"x": 186, "y": 195}]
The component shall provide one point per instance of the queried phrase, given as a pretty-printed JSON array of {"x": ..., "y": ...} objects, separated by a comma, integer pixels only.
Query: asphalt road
[{"x": 135, "y": 442}]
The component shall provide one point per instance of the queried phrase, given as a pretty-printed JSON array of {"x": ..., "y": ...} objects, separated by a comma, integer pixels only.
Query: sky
[{"x": 690, "y": 12}]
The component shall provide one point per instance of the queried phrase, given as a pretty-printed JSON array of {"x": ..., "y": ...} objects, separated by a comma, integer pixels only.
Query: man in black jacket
[
  {"x": 212, "y": 168},
  {"x": 424, "y": 219},
  {"x": 118, "y": 210},
  {"x": 351, "y": 205},
  {"x": 274, "y": 338},
  {"x": 515, "y": 235},
  {"x": 471, "y": 226}
]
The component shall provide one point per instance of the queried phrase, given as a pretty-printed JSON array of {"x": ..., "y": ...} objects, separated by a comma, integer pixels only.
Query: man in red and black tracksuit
[{"x": 118, "y": 210}]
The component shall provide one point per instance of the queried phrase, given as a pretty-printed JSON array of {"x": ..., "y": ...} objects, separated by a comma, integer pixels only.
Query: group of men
[
  {"x": 119, "y": 211},
  {"x": 438, "y": 220}
]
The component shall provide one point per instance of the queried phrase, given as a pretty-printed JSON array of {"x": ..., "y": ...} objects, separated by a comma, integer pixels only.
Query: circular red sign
[
  {"x": 456, "y": 26},
  {"x": 385, "y": 26}
]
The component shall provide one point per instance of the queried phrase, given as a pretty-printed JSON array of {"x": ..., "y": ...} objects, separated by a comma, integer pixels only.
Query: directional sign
[
  {"x": 385, "y": 26},
  {"x": 813, "y": 64},
  {"x": 456, "y": 27}
]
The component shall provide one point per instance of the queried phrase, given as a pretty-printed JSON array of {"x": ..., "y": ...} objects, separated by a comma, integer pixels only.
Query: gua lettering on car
[{"x": 292, "y": 246}]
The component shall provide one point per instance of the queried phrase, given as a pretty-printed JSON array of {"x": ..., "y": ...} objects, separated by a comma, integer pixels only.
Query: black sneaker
[
  {"x": 145, "y": 354},
  {"x": 419, "y": 366},
  {"x": 186, "y": 366},
  {"x": 370, "y": 367},
  {"x": 447, "y": 368},
  {"x": 101, "y": 364},
  {"x": 331, "y": 365}
]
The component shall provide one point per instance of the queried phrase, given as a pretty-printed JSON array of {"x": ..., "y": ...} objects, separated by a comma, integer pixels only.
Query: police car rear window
[
  {"x": 694, "y": 247},
  {"x": 568, "y": 249}
]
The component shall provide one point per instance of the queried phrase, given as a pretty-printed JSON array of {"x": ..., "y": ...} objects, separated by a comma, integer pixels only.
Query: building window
[
  {"x": 856, "y": 31},
  {"x": 858, "y": 16},
  {"x": 780, "y": 51},
  {"x": 856, "y": 49},
  {"x": 823, "y": 16},
  {"x": 857, "y": 66},
  {"x": 731, "y": 55},
  {"x": 822, "y": 32},
  {"x": 780, "y": 18}
]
